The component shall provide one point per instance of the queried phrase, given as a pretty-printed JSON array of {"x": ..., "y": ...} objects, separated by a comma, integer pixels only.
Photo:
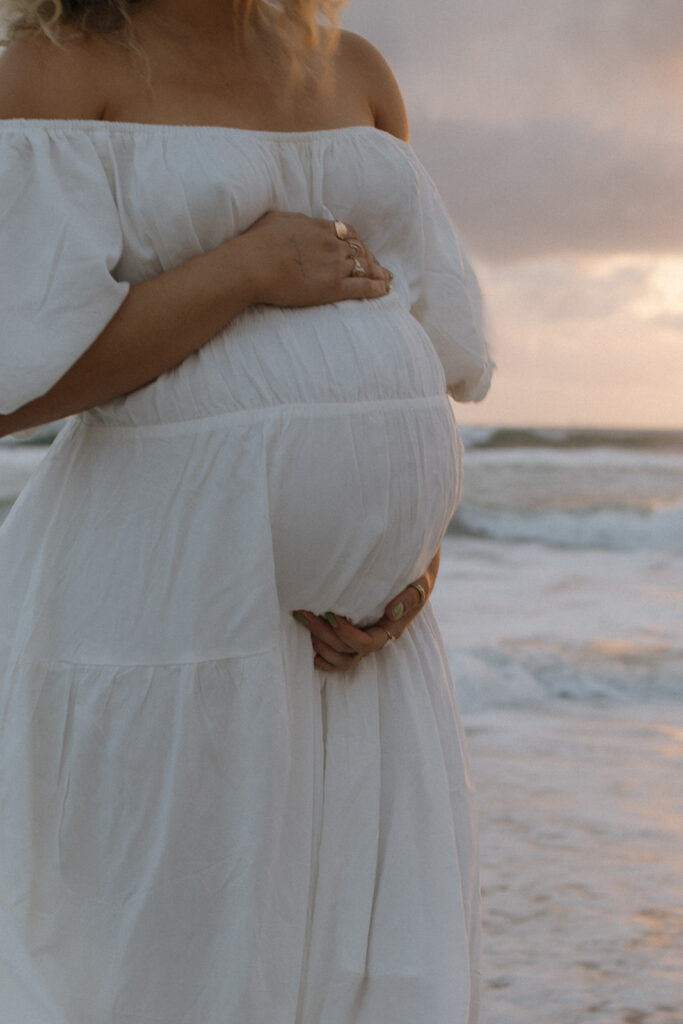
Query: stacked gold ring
[{"x": 421, "y": 591}]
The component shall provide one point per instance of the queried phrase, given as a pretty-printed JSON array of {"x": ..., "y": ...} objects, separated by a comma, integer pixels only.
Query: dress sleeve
[
  {"x": 449, "y": 305},
  {"x": 60, "y": 240}
]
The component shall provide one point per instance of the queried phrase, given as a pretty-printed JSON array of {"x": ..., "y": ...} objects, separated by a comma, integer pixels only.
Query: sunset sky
[{"x": 554, "y": 130}]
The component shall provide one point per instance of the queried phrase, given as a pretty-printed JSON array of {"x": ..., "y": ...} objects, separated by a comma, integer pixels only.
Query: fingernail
[
  {"x": 331, "y": 619},
  {"x": 391, "y": 276},
  {"x": 397, "y": 610},
  {"x": 300, "y": 617},
  {"x": 388, "y": 287}
]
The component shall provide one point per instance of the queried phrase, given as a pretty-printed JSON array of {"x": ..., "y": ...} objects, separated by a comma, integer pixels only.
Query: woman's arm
[
  {"x": 284, "y": 259},
  {"x": 159, "y": 324}
]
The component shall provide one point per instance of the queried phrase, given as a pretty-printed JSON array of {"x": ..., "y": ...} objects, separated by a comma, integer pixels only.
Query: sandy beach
[{"x": 581, "y": 819}]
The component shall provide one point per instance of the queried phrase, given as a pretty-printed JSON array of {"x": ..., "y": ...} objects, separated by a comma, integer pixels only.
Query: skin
[{"x": 201, "y": 75}]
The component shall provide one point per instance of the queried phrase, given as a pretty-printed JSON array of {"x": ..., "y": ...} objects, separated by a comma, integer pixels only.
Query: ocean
[
  {"x": 560, "y": 600},
  {"x": 562, "y": 570}
]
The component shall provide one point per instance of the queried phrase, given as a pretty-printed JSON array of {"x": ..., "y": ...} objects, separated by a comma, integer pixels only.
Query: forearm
[
  {"x": 161, "y": 322},
  {"x": 284, "y": 259}
]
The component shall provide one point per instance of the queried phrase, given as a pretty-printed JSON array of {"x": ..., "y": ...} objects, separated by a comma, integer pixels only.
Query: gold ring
[
  {"x": 341, "y": 230},
  {"x": 355, "y": 246},
  {"x": 421, "y": 591},
  {"x": 390, "y": 636},
  {"x": 357, "y": 268}
]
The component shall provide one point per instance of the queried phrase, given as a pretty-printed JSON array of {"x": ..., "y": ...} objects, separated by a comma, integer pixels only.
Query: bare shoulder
[
  {"x": 363, "y": 59},
  {"x": 40, "y": 79}
]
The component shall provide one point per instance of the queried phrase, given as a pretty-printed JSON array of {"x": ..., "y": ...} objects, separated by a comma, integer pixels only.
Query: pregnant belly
[
  {"x": 359, "y": 501},
  {"x": 185, "y": 542}
]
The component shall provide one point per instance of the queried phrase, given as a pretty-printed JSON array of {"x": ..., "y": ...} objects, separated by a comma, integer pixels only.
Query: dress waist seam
[
  {"x": 23, "y": 661},
  {"x": 246, "y": 416}
]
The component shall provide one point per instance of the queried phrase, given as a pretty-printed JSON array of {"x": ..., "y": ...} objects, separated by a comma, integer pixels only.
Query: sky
[{"x": 554, "y": 131}]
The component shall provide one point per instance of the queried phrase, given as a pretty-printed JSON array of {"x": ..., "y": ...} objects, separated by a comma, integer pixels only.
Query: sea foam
[{"x": 627, "y": 528}]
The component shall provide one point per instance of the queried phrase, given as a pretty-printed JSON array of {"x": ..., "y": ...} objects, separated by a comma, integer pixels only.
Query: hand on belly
[{"x": 338, "y": 645}]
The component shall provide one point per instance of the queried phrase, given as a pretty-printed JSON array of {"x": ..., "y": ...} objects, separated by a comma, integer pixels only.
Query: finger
[
  {"x": 364, "y": 641},
  {"x": 334, "y": 657},
  {"x": 355, "y": 248},
  {"x": 372, "y": 266},
  {"x": 320, "y": 628},
  {"x": 323, "y": 665},
  {"x": 408, "y": 601},
  {"x": 376, "y": 270},
  {"x": 382, "y": 633},
  {"x": 379, "y": 273},
  {"x": 355, "y": 266},
  {"x": 363, "y": 288}
]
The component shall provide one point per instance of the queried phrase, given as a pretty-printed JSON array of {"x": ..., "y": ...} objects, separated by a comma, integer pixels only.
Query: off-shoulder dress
[{"x": 196, "y": 825}]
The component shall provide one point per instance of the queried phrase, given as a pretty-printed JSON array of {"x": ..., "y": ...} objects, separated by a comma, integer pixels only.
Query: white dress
[{"x": 196, "y": 825}]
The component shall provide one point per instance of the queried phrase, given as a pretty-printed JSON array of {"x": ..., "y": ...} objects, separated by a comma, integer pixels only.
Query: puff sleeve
[
  {"x": 60, "y": 240},
  {"x": 449, "y": 305}
]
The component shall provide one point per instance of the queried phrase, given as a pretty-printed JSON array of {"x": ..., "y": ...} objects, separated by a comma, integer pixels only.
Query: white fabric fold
[
  {"x": 60, "y": 240},
  {"x": 450, "y": 305}
]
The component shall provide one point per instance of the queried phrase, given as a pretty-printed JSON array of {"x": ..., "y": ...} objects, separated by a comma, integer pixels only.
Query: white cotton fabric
[{"x": 198, "y": 826}]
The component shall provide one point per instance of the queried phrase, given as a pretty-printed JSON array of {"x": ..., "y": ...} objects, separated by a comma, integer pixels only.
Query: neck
[{"x": 215, "y": 17}]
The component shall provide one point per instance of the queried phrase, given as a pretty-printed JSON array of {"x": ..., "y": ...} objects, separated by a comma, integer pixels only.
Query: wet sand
[{"x": 581, "y": 833}]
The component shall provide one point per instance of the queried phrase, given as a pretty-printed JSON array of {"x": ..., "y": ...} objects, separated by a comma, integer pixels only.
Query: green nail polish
[
  {"x": 300, "y": 617},
  {"x": 331, "y": 619},
  {"x": 397, "y": 610}
]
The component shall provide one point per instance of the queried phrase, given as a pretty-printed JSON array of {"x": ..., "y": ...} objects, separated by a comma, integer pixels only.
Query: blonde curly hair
[{"x": 299, "y": 23}]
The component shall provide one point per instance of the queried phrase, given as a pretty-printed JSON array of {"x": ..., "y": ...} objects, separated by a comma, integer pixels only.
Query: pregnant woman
[{"x": 233, "y": 782}]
